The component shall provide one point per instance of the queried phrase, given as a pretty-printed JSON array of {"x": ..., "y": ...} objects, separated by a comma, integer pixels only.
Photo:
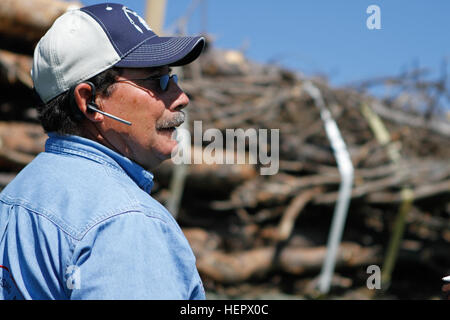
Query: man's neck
[{"x": 90, "y": 131}]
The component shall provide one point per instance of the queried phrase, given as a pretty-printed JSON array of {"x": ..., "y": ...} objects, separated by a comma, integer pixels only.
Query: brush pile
[{"x": 254, "y": 232}]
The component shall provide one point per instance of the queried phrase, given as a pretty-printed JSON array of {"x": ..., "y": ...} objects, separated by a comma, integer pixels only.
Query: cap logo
[{"x": 141, "y": 21}]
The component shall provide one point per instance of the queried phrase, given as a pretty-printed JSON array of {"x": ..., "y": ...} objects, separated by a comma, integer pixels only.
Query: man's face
[{"x": 152, "y": 112}]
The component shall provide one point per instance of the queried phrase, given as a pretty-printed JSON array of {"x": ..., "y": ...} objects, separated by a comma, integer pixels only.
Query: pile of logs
[
  {"x": 245, "y": 227},
  {"x": 280, "y": 223}
]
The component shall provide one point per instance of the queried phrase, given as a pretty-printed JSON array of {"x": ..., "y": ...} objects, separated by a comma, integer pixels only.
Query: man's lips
[
  {"x": 168, "y": 132},
  {"x": 171, "y": 128}
]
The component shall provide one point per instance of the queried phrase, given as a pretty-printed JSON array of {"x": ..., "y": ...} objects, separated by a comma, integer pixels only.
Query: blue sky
[{"x": 324, "y": 36}]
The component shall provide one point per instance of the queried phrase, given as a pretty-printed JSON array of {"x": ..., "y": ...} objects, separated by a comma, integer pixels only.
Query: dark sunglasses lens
[
  {"x": 164, "y": 82},
  {"x": 175, "y": 78}
]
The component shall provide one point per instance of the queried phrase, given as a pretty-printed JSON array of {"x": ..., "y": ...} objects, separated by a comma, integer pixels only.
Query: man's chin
[
  {"x": 169, "y": 152},
  {"x": 174, "y": 151}
]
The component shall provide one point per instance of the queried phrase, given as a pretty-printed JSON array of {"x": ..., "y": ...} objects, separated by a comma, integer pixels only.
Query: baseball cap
[{"x": 84, "y": 42}]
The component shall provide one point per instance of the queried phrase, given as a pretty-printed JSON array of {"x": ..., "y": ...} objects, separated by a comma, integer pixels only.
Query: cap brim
[{"x": 161, "y": 51}]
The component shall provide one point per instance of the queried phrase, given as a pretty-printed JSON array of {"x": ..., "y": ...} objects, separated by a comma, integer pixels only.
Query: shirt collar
[{"x": 95, "y": 151}]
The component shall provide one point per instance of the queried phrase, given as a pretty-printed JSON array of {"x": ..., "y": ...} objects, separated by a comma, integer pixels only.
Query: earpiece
[{"x": 91, "y": 106}]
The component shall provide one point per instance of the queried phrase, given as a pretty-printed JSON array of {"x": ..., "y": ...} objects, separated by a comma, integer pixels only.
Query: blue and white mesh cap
[{"x": 84, "y": 42}]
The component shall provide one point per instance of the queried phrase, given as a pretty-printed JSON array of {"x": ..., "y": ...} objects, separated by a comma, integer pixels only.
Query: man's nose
[{"x": 180, "y": 100}]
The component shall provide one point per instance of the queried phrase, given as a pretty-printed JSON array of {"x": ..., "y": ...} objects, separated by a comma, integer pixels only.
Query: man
[{"x": 78, "y": 222}]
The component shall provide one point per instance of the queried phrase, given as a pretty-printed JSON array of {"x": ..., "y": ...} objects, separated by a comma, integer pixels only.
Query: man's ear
[{"x": 82, "y": 94}]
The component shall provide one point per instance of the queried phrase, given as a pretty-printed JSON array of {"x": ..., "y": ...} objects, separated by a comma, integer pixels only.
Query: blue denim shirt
[{"x": 78, "y": 223}]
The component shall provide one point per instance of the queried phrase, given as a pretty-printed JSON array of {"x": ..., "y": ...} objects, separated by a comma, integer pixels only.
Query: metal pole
[
  {"x": 154, "y": 14},
  {"x": 393, "y": 149},
  {"x": 179, "y": 174},
  {"x": 345, "y": 167}
]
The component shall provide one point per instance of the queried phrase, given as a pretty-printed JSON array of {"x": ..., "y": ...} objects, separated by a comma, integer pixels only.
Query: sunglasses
[{"x": 163, "y": 80}]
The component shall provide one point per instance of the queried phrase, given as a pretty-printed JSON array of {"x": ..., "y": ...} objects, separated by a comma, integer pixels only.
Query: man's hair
[{"x": 58, "y": 116}]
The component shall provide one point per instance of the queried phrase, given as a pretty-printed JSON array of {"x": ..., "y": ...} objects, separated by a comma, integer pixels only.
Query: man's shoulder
[{"x": 77, "y": 194}]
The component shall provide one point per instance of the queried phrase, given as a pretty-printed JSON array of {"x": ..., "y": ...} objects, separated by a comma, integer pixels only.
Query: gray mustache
[{"x": 177, "y": 120}]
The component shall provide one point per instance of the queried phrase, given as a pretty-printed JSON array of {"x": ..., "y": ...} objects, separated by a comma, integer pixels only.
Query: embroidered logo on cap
[{"x": 127, "y": 12}]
